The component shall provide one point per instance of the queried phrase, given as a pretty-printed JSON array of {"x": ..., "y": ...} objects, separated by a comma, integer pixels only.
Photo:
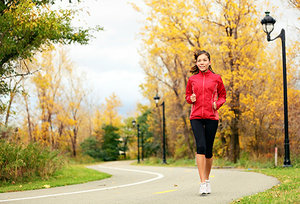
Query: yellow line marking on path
[{"x": 165, "y": 191}]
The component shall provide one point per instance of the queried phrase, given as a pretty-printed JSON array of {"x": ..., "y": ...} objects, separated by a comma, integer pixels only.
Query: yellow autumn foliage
[{"x": 251, "y": 119}]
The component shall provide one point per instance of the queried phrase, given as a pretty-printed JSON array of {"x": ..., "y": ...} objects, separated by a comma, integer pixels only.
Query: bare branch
[{"x": 20, "y": 74}]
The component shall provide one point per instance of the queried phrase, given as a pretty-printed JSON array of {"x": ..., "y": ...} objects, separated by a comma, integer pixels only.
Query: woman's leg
[
  {"x": 201, "y": 166},
  {"x": 208, "y": 165},
  {"x": 198, "y": 130},
  {"x": 211, "y": 127}
]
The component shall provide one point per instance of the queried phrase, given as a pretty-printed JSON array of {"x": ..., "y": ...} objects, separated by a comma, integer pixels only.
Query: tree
[
  {"x": 73, "y": 107},
  {"x": 28, "y": 26},
  {"x": 110, "y": 143},
  {"x": 170, "y": 36},
  {"x": 127, "y": 133},
  {"x": 48, "y": 83},
  {"x": 151, "y": 145},
  {"x": 13, "y": 85},
  {"x": 92, "y": 147},
  {"x": 173, "y": 31},
  {"x": 29, "y": 123},
  {"x": 110, "y": 113},
  {"x": 60, "y": 114}
]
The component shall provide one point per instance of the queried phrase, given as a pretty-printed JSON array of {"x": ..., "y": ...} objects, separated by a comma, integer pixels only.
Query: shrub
[
  {"x": 92, "y": 147},
  {"x": 107, "y": 149},
  {"x": 19, "y": 162}
]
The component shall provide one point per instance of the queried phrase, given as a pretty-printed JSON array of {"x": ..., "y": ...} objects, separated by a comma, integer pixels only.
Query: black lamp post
[
  {"x": 156, "y": 98},
  {"x": 138, "y": 139},
  {"x": 268, "y": 26},
  {"x": 142, "y": 141}
]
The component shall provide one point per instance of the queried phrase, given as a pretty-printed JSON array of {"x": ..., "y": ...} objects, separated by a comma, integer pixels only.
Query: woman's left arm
[{"x": 221, "y": 93}]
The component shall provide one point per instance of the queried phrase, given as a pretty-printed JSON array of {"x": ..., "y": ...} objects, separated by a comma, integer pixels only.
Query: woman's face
[{"x": 203, "y": 62}]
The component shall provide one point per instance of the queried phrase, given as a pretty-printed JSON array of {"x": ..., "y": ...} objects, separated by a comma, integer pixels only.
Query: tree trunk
[
  {"x": 186, "y": 129},
  {"x": 60, "y": 132},
  {"x": 74, "y": 141},
  {"x": 235, "y": 103},
  {"x": 51, "y": 137},
  {"x": 12, "y": 95},
  {"x": 187, "y": 134},
  {"x": 234, "y": 126},
  {"x": 234, "y": 141},
  {"x": 28, "y": 118}
]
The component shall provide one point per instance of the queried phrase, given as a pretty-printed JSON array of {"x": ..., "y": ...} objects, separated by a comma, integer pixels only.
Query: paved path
[{"x": 146, "y": 184}]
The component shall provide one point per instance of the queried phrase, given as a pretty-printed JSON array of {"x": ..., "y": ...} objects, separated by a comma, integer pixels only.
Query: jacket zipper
[{"x": 203, "y": 94}]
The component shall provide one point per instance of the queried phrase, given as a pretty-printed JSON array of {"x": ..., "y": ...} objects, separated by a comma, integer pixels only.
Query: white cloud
[
  {"x": 111, "y": 60},
  {"x": 124, "y": 83}
]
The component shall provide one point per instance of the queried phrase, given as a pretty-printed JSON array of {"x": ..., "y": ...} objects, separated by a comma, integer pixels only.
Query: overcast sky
[{"x": 111, "y": 60}]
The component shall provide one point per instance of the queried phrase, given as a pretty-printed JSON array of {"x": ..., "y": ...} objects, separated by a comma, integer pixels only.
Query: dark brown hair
[{"x": 195, "y": 69}]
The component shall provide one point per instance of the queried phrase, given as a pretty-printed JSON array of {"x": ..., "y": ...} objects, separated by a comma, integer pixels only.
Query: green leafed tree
[
  {"x": 92, "y": 147},
  {"x": 110, "y": 143},
  {"x": 152, "y": 146},
  {"x": 27, "y": 26}
]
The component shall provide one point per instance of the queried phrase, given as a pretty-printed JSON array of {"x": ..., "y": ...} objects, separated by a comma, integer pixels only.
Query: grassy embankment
[
  {"x": 72, "y": 173},
  {"x": 287, "y": 191}
]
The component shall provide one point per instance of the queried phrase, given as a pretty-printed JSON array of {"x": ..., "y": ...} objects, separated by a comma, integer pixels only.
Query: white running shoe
[
  {"x": 202, "y": 189},
  {"x": 208, "y": 187}
]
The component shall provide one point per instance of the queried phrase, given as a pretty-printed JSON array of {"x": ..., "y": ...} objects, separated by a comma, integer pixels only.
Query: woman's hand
[
  {"x": 193, "y": 97},
  {"x": 215, "y": 106}
]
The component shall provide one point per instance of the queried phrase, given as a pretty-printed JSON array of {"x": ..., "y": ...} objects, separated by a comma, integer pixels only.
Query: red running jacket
[{"x": 208, "y": 88}]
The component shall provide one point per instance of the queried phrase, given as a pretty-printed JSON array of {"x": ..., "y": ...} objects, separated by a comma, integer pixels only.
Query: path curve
[{"x": 147, "y": 184}]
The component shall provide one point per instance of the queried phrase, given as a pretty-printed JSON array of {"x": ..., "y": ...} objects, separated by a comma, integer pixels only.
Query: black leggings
[{"x": 204, "y": 131}]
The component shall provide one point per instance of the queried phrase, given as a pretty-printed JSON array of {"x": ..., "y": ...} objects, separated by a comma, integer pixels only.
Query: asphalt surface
[{"x": 147, "y": 184}]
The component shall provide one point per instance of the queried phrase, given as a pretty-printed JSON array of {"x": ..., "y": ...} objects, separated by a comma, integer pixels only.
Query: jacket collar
[{"x": 205, "y": 73}]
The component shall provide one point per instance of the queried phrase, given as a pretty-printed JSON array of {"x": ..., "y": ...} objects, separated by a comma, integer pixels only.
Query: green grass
[
  {"x": 287, "y": 191},
  {"x": 71, "y": 174},
  {"x": 217, "y": 163},
  {"x": 153, "y": 161}
]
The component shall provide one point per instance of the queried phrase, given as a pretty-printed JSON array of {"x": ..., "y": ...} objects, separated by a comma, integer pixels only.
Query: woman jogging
[{"x": 206, "y": 92}]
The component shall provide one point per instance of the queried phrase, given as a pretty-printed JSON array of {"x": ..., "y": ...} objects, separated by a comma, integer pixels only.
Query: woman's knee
[
  {"x": 201, "y": 149},
  {"x": 208, "y": 154}
]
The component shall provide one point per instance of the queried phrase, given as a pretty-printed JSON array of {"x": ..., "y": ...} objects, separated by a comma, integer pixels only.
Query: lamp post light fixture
[
  {"x": 138, "y": 139},
  {"x": 156, "y": 98},
  {"x": 268, "y": 26}
]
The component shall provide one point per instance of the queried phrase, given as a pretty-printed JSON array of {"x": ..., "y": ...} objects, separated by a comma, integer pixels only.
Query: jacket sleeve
[
  {"x": 188, "y": 92},
  {"x": 221, "y": 93}
]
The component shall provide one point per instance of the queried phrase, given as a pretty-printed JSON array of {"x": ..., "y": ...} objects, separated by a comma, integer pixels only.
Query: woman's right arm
[{"x": 188, "y": 92}]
